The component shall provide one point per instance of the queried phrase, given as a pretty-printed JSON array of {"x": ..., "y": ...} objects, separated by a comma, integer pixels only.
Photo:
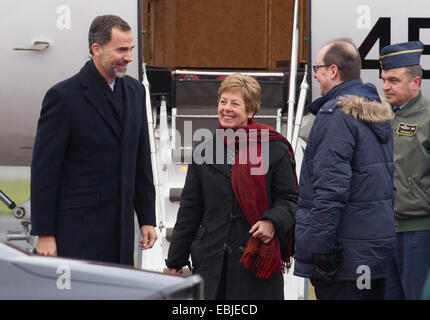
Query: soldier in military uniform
[{"x": 402, "y": 76}]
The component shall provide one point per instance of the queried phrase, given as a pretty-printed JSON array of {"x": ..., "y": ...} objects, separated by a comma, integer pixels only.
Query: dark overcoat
[
  {"x": 213, "y": 229},
  {"x": 89, "y": 171}
]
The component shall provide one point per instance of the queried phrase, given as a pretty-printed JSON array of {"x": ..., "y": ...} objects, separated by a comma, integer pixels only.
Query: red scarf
[{"x": 251, "y": 193}]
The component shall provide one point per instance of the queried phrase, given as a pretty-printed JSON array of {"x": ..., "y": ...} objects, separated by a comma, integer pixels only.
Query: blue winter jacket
[{"x": 346, "y": 183}]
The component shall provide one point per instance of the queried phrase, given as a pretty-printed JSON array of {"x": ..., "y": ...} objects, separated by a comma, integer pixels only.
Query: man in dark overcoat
[{"x": 91, "y": 166}]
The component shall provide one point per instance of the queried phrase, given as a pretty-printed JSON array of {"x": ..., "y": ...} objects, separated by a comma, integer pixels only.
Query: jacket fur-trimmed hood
[
  {"x": 375, "y": 114},
  {"x": 360, "y": 102},
  {"x": 364, "y": 109}
]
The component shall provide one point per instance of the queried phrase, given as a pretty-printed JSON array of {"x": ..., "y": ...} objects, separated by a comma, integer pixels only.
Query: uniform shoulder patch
[{"x": 406, "y": 129}]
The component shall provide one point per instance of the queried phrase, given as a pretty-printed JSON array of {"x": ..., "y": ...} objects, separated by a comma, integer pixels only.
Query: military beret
[{"x": 401, "y": 55}]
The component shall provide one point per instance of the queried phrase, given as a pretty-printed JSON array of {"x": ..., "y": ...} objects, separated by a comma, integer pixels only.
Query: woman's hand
[{"x": 263, "y": 230}]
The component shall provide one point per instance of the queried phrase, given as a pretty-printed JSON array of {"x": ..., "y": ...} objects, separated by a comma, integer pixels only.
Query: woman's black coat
[{"x": 212, "y": 228}]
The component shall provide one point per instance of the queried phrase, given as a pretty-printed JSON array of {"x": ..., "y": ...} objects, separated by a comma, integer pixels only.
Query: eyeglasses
[{"x": 316, "y": 67}]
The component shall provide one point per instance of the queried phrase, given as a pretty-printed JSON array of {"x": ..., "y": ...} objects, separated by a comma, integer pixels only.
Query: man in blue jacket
[{"x": 344, "y": 223}]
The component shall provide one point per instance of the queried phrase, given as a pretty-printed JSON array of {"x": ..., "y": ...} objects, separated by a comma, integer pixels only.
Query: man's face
[
  {"x": 114, "y": 56},
  {"x": 323, "y": 74},
  {"x": 398, "y": 88}
]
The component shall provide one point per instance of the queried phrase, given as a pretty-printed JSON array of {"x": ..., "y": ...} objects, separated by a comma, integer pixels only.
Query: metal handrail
[
  {"x": 293, "y": 72},
  {"x": 154, "y": 162},
  {"x": 216, "y": 116},
  {"x": 300, "y": 109},
  {"x": 227, "y": 73}
]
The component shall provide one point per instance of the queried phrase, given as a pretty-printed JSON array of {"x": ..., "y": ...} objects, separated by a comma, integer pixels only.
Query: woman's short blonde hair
[{"x": 247, "y": 86}]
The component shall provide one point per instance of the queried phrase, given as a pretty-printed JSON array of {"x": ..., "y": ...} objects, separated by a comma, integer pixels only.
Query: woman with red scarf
[{"x": 237, "y": 209}]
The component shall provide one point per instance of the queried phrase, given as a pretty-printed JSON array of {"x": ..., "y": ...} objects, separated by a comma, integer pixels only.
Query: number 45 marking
[{"x": 382, "y": 31}]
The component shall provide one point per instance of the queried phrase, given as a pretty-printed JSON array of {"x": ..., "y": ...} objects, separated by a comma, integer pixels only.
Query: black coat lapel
[
  {"x": 222, "y": 167},
  {"x": 130, "y": 109},
  {"x": 97, "y": 98}
]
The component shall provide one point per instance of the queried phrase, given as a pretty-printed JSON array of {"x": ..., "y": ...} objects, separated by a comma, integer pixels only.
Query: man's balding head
[
  {"x": 344, "y": 54},
  {"x": 337, "y": 61}
]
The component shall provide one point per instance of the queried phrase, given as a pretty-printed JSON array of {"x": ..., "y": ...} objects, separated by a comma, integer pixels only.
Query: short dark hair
[
  {"x": 413, "y": 71},
  {"x": 344, "y": 54},
  {"x": 101, "y": 29}
]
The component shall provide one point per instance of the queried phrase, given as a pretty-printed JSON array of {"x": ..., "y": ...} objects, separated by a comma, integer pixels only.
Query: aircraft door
[{"x": 42, "y": 43}]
